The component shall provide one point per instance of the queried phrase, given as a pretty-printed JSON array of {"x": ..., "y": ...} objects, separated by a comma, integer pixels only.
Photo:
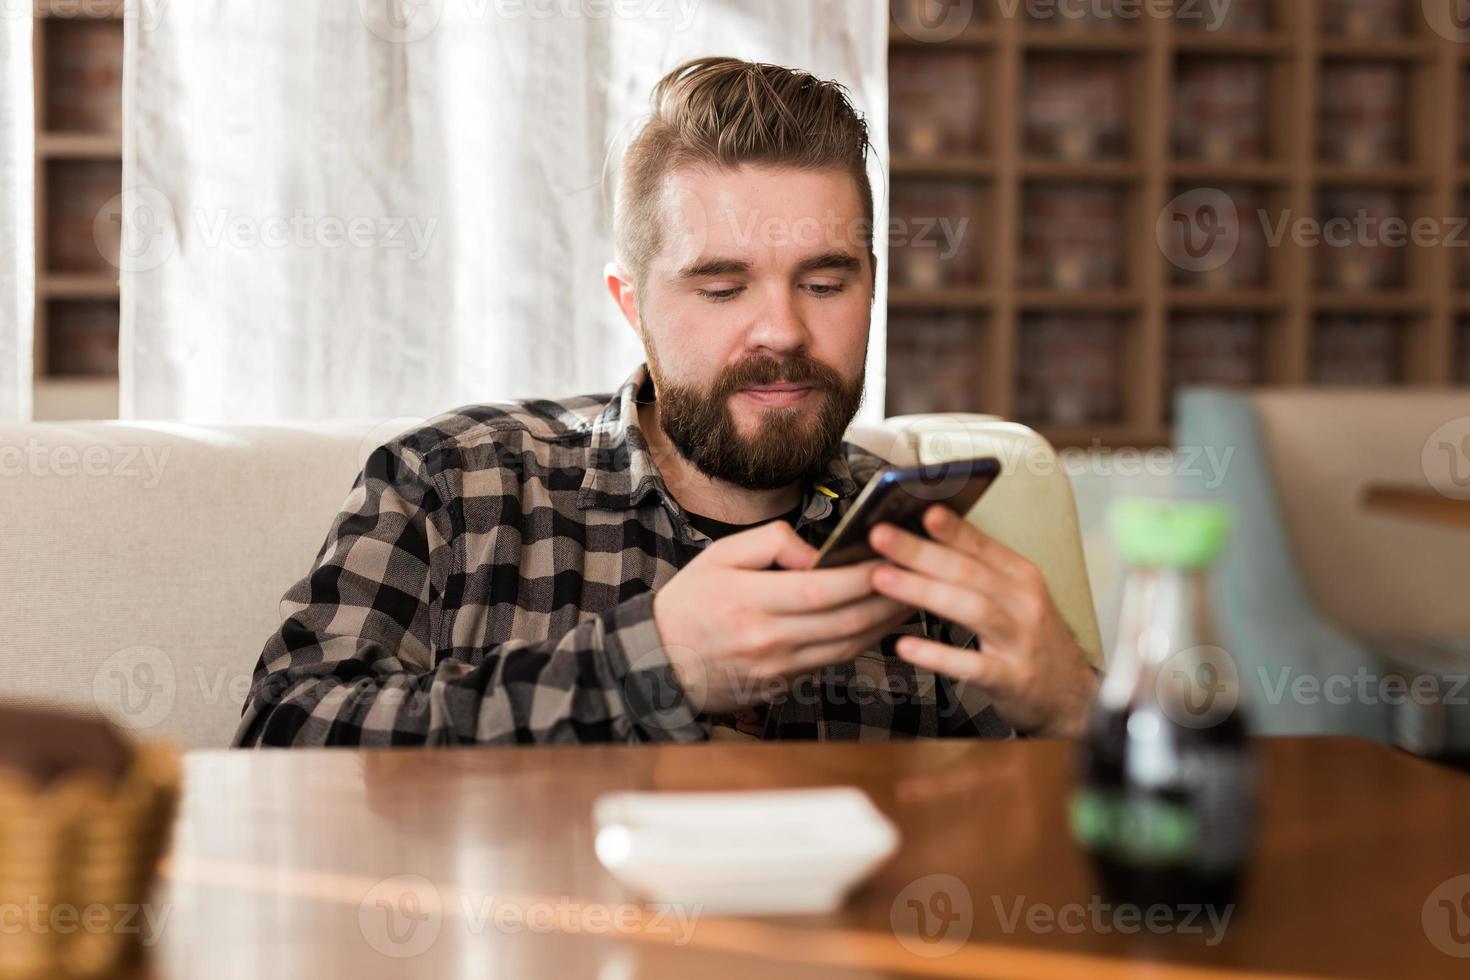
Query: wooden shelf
[
  {"x": 70, "y": 285},
  {"x": 1210, "y": 301},
  {"x": 1246, "y": 172},
  {"x": 1086, "y": 301},
  {"x": 908, "y": 298},
  {"x": 77, "y": 57},
  {"x": 68, "y": 399},
  {"x": 1082, "y": 42},
  {"x": 1226, "y": 43},
  {"x": 79, "y": 146},
  {"x": 89, "y": 10},
  {"x": 973, "y": 167},
  {"x": 1350, "y": 303},
  {"x": 1290, "y": 58},
  {"x": 1105, "y": 171},
  {"x": 1338, "y": 175},
  {"x": 1407, "y": 49}
]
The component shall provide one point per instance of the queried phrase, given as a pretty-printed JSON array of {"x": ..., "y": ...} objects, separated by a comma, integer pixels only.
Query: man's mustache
[{"x": 754, "y": 377}]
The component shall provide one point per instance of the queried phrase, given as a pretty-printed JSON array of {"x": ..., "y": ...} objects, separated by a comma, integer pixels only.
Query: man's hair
[{"x": 723, "y": 113}]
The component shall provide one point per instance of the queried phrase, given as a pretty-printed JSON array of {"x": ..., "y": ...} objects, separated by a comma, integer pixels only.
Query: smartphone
[{"x": 901, "y": 496}]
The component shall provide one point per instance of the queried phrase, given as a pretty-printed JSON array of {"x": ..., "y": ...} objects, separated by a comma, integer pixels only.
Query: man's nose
[{"x": 780, "y": 326}]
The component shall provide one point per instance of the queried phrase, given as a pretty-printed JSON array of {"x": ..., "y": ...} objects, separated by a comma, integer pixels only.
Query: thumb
[{"x": 776, "y": 543}]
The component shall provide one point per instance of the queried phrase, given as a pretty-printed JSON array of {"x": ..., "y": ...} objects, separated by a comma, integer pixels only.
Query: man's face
[{"x": 755, "y": 320}]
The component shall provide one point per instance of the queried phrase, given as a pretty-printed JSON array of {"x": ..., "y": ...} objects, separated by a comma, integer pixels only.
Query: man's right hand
[{"x": 730, "y": 623}]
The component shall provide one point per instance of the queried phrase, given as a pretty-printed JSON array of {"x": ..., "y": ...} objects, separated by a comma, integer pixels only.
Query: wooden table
[
  {"x": 1417, "y": 503},
  {"x": 368, "y": 864}
]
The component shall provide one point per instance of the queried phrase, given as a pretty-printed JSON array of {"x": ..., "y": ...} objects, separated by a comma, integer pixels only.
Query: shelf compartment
[
  {"x": 935, "y": 231},
  {"x": 1462, "y": 351},
  {"x": 83, "y": 59},
  {"x": 937, "y": 104},
  {"x": 1070, "y": 369},
  {"x": 1075, "y": 108},
  {"x": 1362, "y": 118},
  {"x": 1218, "y": 349},
  {"x": 1352, "y": 349},
  {"x": 1216, "y": 239},
  {"x": 1365, "y": 20},
  {"x": 77, "y": 239},
  {"x": 1462, "y": 248},
  {"x": 1239, "y": 20},
  {"x": 81, "y": 338},
  {"x": 1222, "y": 110},
  {"x": 1073, "y": 238},
  {"x": 1356, "y": 253},
  {"x": 932, "y": 361}
]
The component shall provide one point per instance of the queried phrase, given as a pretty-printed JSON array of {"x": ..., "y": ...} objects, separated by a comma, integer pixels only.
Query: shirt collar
[{"x": 621, "y": 470}]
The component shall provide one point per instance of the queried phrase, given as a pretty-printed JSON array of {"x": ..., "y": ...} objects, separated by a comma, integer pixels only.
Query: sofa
[{"x": 142, "y": 563}]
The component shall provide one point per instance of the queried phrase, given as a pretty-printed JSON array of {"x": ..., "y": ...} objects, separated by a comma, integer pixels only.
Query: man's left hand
[{"x": 1033, "y": 670}]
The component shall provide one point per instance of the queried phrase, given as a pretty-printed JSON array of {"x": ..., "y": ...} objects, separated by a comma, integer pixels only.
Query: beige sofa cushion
[{"x": 142, "y": 563}]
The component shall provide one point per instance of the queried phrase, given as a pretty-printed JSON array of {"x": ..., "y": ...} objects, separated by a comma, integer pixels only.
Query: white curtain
[
  {"x": 17, "y": 207},
  {"x": 371, "y": 208}
]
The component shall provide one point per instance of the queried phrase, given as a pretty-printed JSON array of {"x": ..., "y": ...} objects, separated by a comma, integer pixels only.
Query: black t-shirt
[{"x": 719, "y": 529}]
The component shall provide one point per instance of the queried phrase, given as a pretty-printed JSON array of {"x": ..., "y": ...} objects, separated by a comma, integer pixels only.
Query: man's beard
[{"x": 792, "y": 444}]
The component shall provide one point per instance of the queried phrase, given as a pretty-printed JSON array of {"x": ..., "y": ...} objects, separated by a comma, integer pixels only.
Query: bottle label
[
  {"x": 1138, "y": 828},
  {"x": 1207, "y": 826}
]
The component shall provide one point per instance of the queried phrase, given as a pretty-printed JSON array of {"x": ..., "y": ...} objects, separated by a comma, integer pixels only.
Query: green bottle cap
[{"x": 1169, "y": 533}]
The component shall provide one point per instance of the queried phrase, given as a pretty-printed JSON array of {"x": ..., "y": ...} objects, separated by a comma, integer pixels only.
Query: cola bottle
[{"x": 1165, "y": 799}]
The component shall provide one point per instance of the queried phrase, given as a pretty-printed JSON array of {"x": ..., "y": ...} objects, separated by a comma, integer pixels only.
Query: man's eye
[
  {"x": 822, "y": 289},
  {"x": 720, "y": 295}
]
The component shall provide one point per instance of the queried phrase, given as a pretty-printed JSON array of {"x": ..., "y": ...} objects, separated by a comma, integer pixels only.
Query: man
[{"x": 636, "y": 566}]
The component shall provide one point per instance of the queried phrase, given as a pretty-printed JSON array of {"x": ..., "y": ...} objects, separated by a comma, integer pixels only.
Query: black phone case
[{"x": 901, "y": 496}]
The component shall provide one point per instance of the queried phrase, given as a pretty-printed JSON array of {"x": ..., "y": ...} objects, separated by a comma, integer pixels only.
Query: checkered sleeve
[{"x": 362, "y": 655}]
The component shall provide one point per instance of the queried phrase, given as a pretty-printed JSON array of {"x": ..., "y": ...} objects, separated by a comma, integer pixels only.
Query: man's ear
[{"x": 625, "y": 294}]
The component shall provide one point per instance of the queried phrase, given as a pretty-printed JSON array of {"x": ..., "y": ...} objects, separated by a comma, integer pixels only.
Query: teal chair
[{"x": 1318, "y": 598}]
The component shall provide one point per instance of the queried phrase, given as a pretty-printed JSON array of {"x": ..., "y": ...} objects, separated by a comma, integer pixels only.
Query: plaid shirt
[{"x": 490, "y": 579}]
